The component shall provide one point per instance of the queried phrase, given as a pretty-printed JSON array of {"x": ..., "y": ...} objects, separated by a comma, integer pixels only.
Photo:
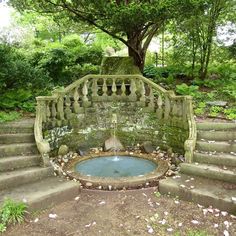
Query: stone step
[
  {"x": 215, "y": 159},
  {"x": 216, "y": 126},
  {"x": 22, "y": 126},
  {"x": 203, "y": 191},
  {"x": 16, "y": 138},
  {"x": 216, "y": 135},
  {"x": 226, "y": 147},
  {"x": 18, "y": 149},
  {"x": 15, "y": 178},
  {"x": 17, "y": 162},
  {"x": 44, "y": 193},
  {"x": 209, "y": 171}
]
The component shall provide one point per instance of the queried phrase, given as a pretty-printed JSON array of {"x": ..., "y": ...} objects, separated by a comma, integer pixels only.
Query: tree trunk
[{"x": 136, "y": 52}]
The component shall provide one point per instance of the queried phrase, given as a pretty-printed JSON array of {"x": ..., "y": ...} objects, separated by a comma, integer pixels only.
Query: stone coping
[{"x": 109, "y": 183}]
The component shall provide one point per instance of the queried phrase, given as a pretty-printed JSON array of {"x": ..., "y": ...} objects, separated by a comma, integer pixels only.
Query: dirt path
[{"x": 122, "y": 213}]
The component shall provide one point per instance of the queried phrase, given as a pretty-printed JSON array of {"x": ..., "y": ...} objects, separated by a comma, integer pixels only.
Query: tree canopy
[{"x": 133, "y": 22}]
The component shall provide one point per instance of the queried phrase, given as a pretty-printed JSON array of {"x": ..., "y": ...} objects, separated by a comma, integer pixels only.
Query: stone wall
[{"x": 134, "y": 126}]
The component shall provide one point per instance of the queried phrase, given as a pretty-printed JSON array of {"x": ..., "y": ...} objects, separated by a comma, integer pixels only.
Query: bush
[{"x": 184, "y": 89}]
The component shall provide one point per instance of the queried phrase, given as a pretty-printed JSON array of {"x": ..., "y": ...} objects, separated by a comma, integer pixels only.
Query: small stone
[
  {"x": 77, "y": 198},
  {"x": 180, "y": 224},
  {"x": 36, "y": 220},
  {"x": 169, "y": 229},
  {"x": 110, "y": 187},
  {"x": 88, "y": 184},
  {"x": 217, "y": 103},
  {"x": 63, "y": 150},
  {"x": 113, "y": 144},
  {"x": 224, "y": 213},
  {"x": 216, "y": 226},
  {"x": 226, "y": 233},
  {"x": 147, "y": 147}
]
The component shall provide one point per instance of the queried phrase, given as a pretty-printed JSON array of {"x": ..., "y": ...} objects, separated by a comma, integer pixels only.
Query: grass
[{"x": 11, "y": 213}]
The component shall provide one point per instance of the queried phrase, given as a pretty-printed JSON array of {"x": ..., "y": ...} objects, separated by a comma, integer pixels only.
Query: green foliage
[
  {"x": 184, "y": 89},
  {"x": 215, "y": 110},
  {"x": 9, "y": 116},
  {"x": 200, "y": 110},
  {"x": 11, "y": 213},
  {"x": 230, "y": 113}
]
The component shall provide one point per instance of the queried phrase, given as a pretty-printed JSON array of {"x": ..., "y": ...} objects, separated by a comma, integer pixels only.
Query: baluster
[
  {"x": 113, "y": 88},
  {"x": 179, "y": 108},
  {"x": 67, "y": 107},
  {"x": 174, "y": 108},
  {"x": 133, "y": 89},
  {"x": 123, "y": 90},
  {"x": 48, "y": 112},
  {"x": 142, "y": 93},
  {"x": 151, "y": 103},
  {"x": 95, "y": 90},
  {"x": 104, "y": 89},
  {"x": 159, "y": 110},
  {"x": 167, "y": 107},
  {"x": 43, "y": 109},
  {"x": 86, "y": 102},
  {"x": 76, "y": 105},
  {"x": 54, "y": 113},
  {"x": 60, "y": 110}
]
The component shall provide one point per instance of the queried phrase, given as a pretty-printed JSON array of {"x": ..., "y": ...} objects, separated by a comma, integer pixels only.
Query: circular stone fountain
[{"x": 116, "y": 172}]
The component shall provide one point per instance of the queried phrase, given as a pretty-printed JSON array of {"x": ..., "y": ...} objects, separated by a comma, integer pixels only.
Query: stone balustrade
[{"x": 65, "y": 105}]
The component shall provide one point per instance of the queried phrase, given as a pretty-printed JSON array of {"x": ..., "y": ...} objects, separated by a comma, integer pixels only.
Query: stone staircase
[
  {"x": 21, "y": 176},
  {"x": 211, "y": 179}
]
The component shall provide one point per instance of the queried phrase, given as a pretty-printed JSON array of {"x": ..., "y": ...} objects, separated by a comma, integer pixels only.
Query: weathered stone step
[
  {"x": 16, "y": 138},
  {"x": 216, "y": 135},
  {"x": 209, "y": 171},
  {"x": 216, "y": 126},
  {"x": 226, "y": 147},
  {"x": 203, "y": 191},
  {"x": 17, "y": 162},
  {"x": 15, "y": 178},
  {"x": 22, "y": 126},
  {"x": 215, "y": 159},
  {"x": 18, "y": 149},
  {"x": 44, "y": 193}
]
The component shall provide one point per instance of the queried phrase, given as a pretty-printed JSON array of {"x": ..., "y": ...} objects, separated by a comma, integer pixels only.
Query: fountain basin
[{"x": 116, "y": 172}]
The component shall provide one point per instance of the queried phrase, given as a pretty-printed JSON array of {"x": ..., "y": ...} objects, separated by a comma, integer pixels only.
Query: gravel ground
[{"x": 126, "y": 213}]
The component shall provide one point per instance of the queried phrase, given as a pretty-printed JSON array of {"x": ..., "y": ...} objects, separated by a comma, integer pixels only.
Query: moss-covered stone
[{"x": 118, "y": 66}]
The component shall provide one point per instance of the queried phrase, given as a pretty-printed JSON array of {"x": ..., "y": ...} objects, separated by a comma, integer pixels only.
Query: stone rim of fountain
[{"x": 110, "y": 183}]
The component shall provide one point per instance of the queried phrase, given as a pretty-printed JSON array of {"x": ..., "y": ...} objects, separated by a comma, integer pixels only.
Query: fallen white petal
[
  {"x": 150, "y": 229},
  {"x": 224, "y": 213},
  {"x": 36, "y": 220},
  {"x": 102, "y": 203},
  {"x": 195, "y": 222},
  {"x": 216, "y": 225},
  {"x": 24, "y": 200},
  {"x": 200, "y": 206},
  {"x": 176, "y": 202},
  {"x": 88, "y": 225},
  {"x": 94, "y": 223},
  {"x": 166, "y": 213},
  {"x": 169, "y": 229},
  {"x": 182, "y": 186},
  {"x": 234, "y": 199},
  {"x": 180, "y": 224},
  {"x": 233, "y": 217},
  {"x": 77, "y": 198},
  {"x": 52, "y": 216},
  {"x": 226, "y": 233}
]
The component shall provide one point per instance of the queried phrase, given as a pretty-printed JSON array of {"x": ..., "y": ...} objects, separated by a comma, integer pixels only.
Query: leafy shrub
[
  {"x": 184, "y": 89},
  {"x": 230, "y": 113},
  {"x": 9, "y": 116}
]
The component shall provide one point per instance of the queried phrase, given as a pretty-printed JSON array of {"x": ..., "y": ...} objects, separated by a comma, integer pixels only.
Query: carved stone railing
[{"x": 63, "y": 106}]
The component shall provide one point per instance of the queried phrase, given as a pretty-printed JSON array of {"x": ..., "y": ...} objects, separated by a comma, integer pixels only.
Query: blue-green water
[{"x": 115, "y": 166}]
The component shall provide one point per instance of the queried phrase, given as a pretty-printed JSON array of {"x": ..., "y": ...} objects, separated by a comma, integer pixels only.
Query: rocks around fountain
[
  {"x": 113, "y": 144},
  {"x": 63, "y": 150},
  {"x": 147, "y": 147}
]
